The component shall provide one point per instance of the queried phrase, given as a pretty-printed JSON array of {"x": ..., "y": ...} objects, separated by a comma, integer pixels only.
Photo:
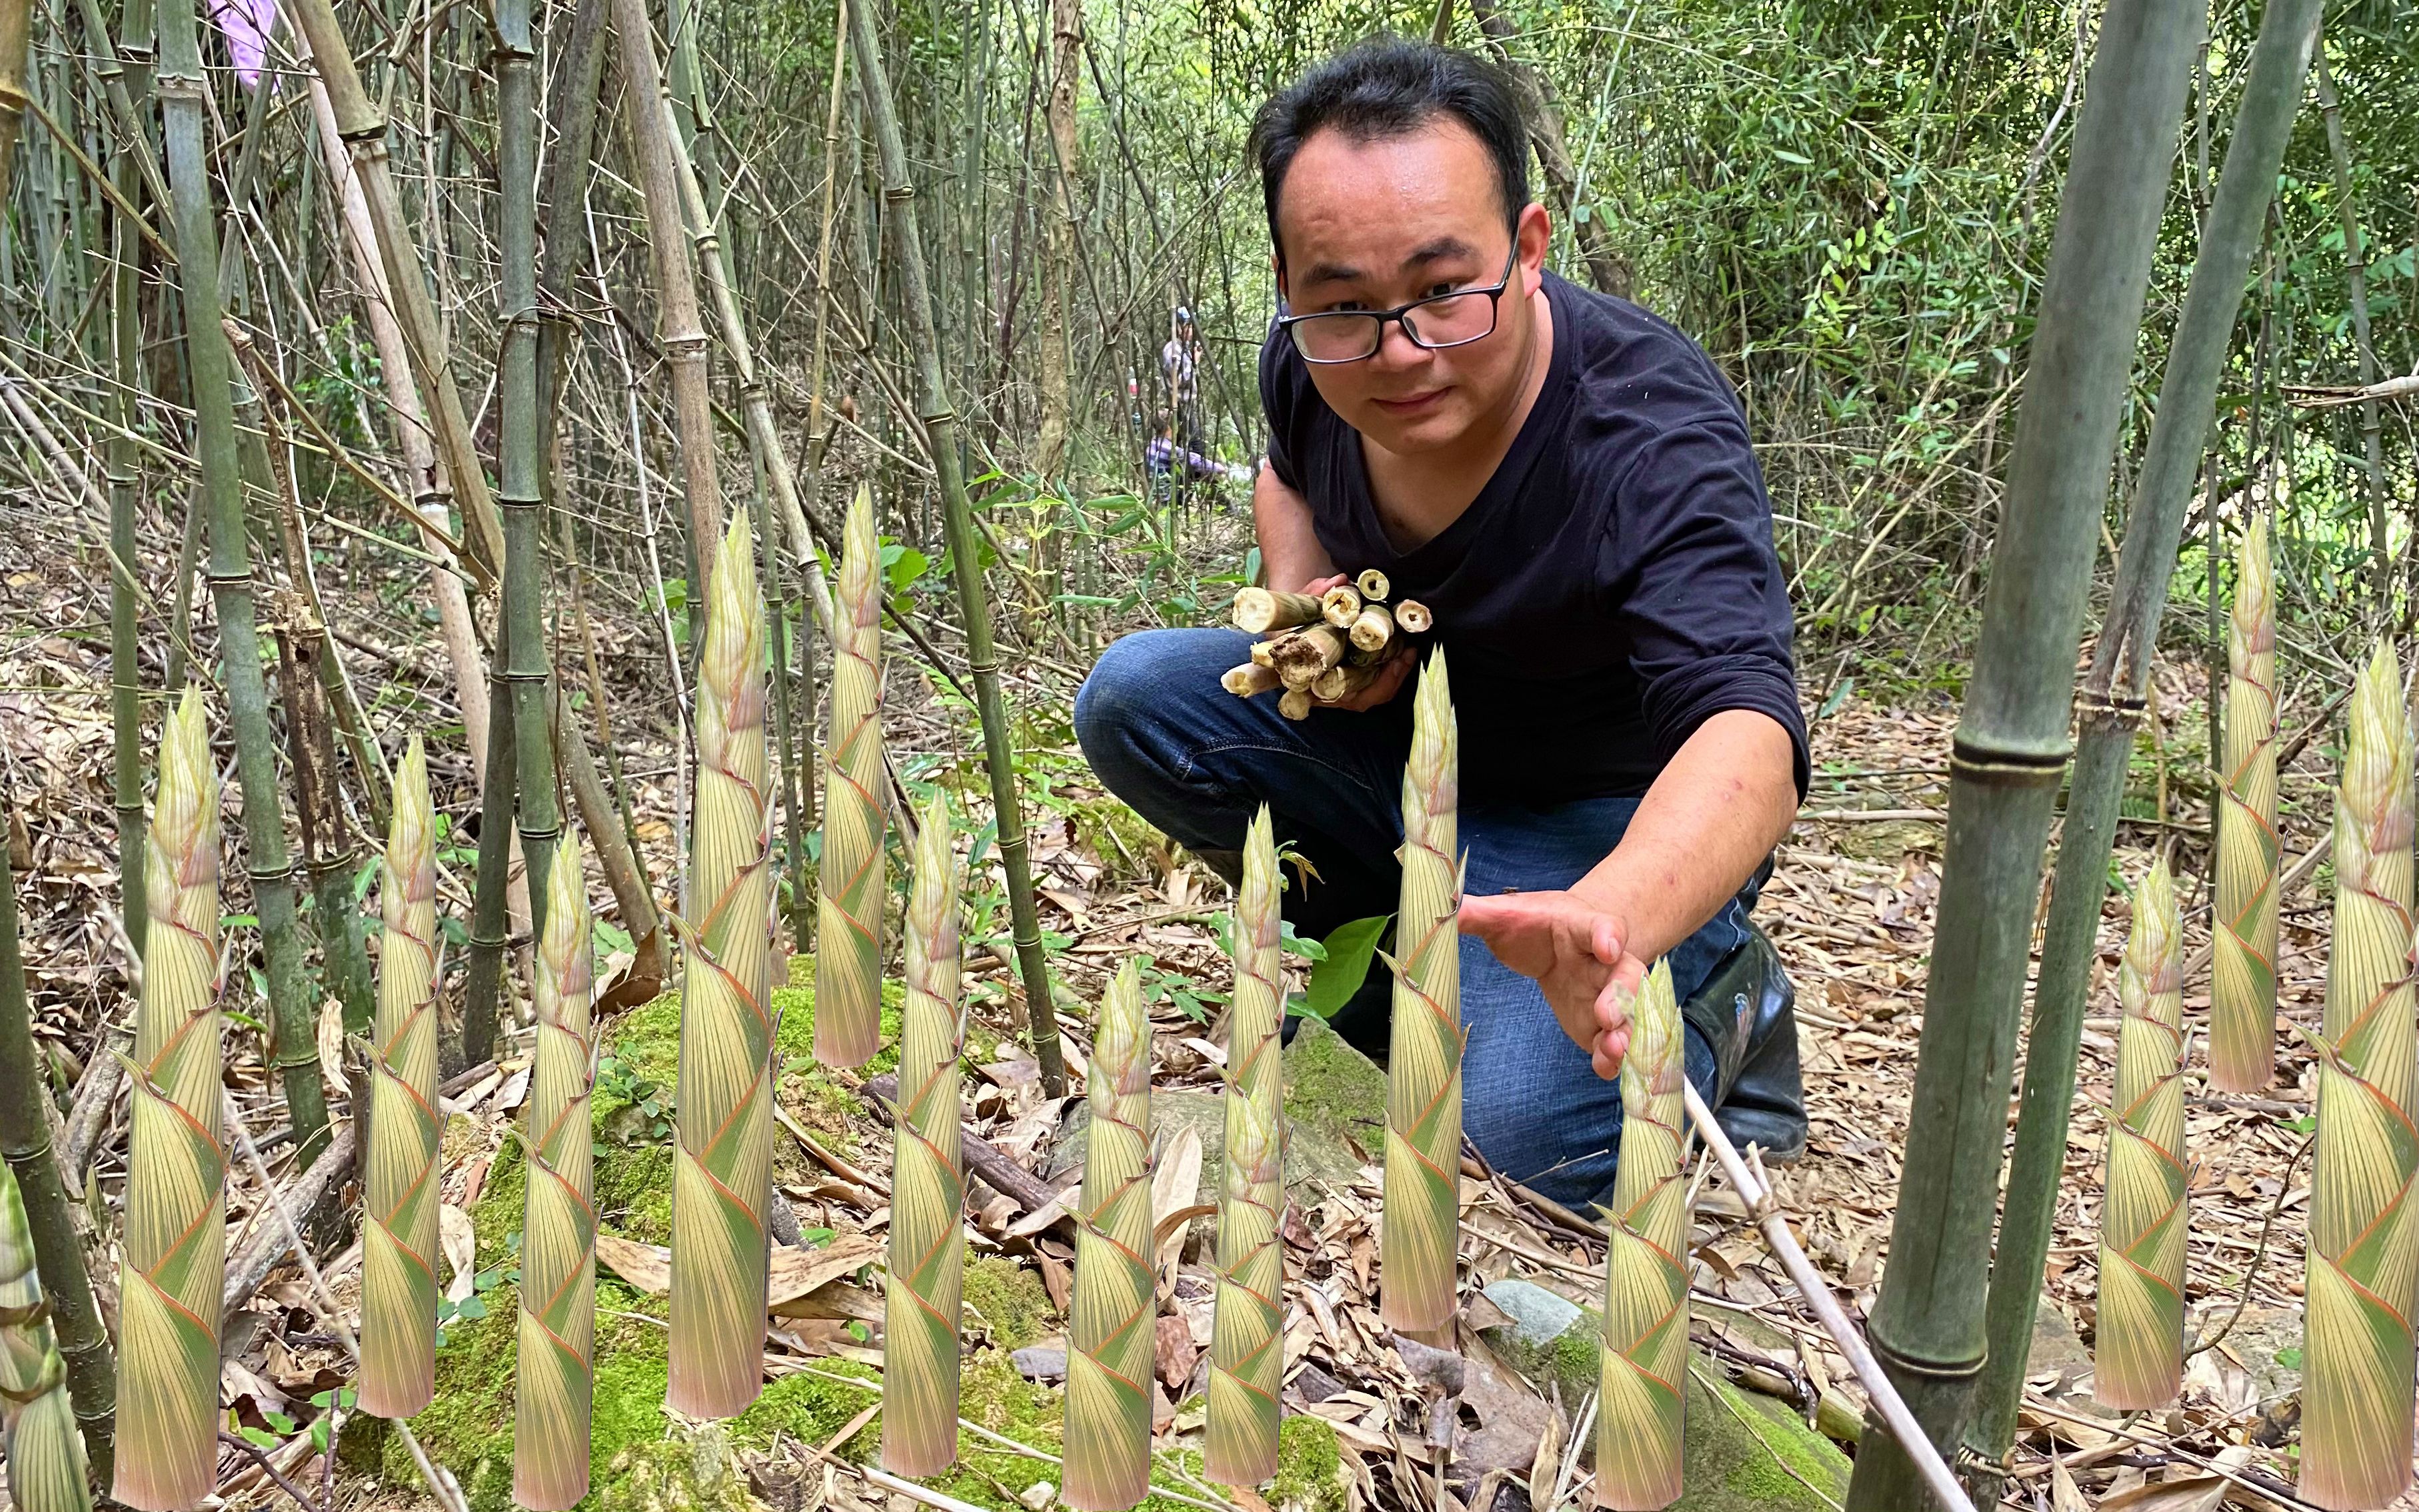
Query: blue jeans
[{"x": 1197, "y": 762}]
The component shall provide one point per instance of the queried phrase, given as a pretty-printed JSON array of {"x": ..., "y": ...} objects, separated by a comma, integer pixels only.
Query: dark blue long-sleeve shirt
[{"x": 1612, "y": 587}]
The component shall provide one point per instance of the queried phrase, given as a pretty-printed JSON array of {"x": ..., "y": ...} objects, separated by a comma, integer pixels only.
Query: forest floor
[{"x": 1850, "y": 906}]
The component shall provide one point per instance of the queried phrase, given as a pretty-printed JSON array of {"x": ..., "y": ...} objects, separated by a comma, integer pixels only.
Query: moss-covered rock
[
  {"x": 1009, "y": 1300},
  {"x": 1335, "y": 1089},
  {"x": 1742, "y": 1449},
  {"x": 1335, "y": 1116},
  {"x": 1310, "y": 1467},
  {"x": 1750, "y": 1451}
]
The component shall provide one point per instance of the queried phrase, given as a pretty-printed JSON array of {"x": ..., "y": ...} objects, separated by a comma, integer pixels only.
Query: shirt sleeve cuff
[{"x": 1681, "y": 702}]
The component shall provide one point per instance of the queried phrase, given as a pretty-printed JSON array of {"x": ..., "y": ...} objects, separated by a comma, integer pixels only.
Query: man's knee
[{"x": 1110, "y": 705}]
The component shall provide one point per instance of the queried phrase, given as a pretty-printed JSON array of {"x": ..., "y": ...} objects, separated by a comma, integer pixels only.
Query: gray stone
[
  {"x": 1040, "y": 1363},
  {"x": 1538, "y": 1315}
]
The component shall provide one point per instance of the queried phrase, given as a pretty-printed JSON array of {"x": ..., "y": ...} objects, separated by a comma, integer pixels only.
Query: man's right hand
[{"x": 1391, "y": 672}]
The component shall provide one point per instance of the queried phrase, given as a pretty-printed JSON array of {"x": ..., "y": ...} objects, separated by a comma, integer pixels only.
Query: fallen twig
[
  {"x": 985, "y": 1159},
  {"x": 1757, "y": 1194},
  {"x": 268, "y": 1248},
  {"x": 253, "y": 1451},
  {"x": 440, "y": 1485}
]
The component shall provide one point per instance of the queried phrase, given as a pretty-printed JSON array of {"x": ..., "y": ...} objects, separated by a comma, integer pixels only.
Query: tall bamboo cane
[
  {"x": 1422, "y": 1187},
  {"x": 928, "y": 1246},
  {"x": 46, "y": 1468},
  {"x": 2243, "y": 989},
  {"x": 965, "y": 550},
  {"x": 174, "y": 1257},
  {"x": 2363, "y": 1255},
  {"x": 1928, "y": 1328},
  {"x": 558, "y": 1293},
  {"x": 211, "y": 368},
  {"x": 362, "y": 127},
  {"x": 848, "y": 932},
  {"x": 681, "y": 327},
  {"x": 1643, "y": 1382},
  {"x": 33, "y": 1170},
  {"x": 2140, "y": 1354},
  {"x": 399, "y": 1198},
  {"x": 1112, "y": 1327},
  {"x": 722, "y": 1185},
  {"x": 2109, "y": 710},
  {"x": 1246, "y": 1352},
  {"x": 517, "y": 494}
]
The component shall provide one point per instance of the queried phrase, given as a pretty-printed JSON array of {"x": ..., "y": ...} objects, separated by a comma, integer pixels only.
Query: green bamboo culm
[
  {"x": 1423, "y": 1185},
  {"x": 1643, "y": 1382},
  {"x": 2243, "y": 985},
  {"x": 46, "y": 1466},
  {"x": 211, "y": 366},
  {"x": 848, "y": 932},
  {"x": 48, "y": 1223},
  {"x": 518, "y": 493},
  {"x": 556, "y": 1377},
  {"x": 1112, "y": 1327},
  {"x": 923, "y": 337},
  {"x": 2139, "y": 1358},
  {"x": 2363, "y": 1237},
  {"x": 399, "y": 1196},
  {"x": 174, "y": 1260},
  {"x": 927, "y": 1229},
  {"x": 2109, "y": 710},
  {"x": 1928, "y": 1330},
  {"x": 722, "y": 1164},
  {"x": 1246, "y": 1346}
]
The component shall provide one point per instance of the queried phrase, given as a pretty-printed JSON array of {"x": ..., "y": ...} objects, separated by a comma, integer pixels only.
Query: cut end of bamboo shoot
[
  {"x": 1373, "y": 584},
  {"x": 1340, "y": 605},
  {"x": 1260, "y": 611},
  {"x": 1412, "y": 617},
  {"x": 1372, "y": 630},
  {"x": 1295, "y": 704},
  {"x": 1249, "y": 678}
]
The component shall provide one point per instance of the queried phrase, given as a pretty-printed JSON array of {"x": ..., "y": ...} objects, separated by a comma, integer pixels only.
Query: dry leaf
[{"x": 460, "y": 1243}]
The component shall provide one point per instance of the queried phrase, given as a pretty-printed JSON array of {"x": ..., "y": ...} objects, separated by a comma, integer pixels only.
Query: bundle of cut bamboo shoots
[{"x": 1324, "y": 648}]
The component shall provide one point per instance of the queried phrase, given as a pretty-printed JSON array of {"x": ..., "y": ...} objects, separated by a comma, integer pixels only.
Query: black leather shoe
[{"x": 1746, "y": 1011}]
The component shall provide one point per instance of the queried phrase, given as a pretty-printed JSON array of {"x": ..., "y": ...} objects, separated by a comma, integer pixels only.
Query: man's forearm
[
  {"x": 1715, "y": 813},
  {"x": 1289, "y": 550}
]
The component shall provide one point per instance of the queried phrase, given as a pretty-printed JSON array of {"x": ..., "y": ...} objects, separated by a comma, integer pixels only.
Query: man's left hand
[{"x": 1576, "y": 951}]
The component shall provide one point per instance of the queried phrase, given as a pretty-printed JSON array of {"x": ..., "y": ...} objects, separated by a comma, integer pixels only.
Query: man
[
  {"x": 1180, "y": 366},
  {"x": 1567, "y": 482}
]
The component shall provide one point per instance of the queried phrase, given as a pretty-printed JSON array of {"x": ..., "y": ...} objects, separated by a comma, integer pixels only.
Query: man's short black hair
[{"x": 1387, "y": 87}]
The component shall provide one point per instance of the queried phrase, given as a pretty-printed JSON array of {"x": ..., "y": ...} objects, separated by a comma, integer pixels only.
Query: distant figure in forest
[
  {"x": 1166, "y": 461},
  {"x": 1565, "y": 481},
  {"x": 1180, "y": 368}
]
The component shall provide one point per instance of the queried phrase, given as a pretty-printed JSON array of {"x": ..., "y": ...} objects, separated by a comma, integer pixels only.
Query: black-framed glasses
[{"x": 1439, "y": 321}]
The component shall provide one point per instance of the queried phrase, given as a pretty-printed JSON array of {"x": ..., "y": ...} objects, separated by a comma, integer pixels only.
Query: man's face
[{"x": 1370, "y": 226}]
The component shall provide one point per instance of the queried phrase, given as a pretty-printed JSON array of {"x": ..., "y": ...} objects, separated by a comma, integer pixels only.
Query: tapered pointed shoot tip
[{"x": 848, "y": 959}]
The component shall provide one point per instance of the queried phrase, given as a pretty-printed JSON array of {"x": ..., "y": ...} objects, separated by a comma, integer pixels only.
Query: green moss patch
[
  {"x": 1310, "y": 1467},
  {"x": 1009, "y": 1300}
]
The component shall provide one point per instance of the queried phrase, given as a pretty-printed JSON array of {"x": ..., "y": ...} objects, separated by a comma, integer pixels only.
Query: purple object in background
[{"x": 246, "y": 24}]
